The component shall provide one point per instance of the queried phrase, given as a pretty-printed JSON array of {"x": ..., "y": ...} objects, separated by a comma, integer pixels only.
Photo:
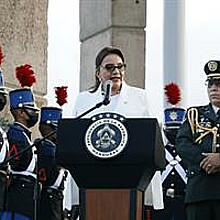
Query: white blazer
[{"x": 131, "y": 102}]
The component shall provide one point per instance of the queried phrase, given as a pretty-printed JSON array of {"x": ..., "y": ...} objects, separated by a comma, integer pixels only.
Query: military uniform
[
  {"x": 174, "y": 177},
  {"x": 198, "y": 144},
  {"x": 50, "y": 174},
  {"x": 23, "y": 171},
  {"x": 52, "y": 178},
  {"x": 21, "y": 196},
  {"x": 174, "y": 183},
  {"x": 201, "y": 186}
]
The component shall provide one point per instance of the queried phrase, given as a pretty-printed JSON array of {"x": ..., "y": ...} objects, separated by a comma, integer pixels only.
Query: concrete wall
[
  {"x": 24, "y": 39},
  {"x": 118, "y": 23}
]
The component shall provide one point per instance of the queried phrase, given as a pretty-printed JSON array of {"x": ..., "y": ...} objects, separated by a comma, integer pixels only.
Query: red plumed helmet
[
  {"x": 174, "y": 116},
  {"x": 25, "y": 75}
]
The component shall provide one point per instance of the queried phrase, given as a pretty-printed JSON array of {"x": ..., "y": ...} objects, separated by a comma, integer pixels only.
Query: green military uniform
[
  {"x": 191, "y": 144},
  {"x": 198, "y": 144}
]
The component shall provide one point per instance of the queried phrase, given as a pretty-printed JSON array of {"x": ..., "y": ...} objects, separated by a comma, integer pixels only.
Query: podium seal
[{"x": 106, "y": 137}]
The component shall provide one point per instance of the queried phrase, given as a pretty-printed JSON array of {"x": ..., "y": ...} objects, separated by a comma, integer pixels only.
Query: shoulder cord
[{"x": 192, "y": 116}]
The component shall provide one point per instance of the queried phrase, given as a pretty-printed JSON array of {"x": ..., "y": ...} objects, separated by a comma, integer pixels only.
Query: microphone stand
[
  {"x": 106, "y": 100},
  {"x": 98, "y": 105}
]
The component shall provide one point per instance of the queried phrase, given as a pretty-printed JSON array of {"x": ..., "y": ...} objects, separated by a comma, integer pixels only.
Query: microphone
[{"x": 107, "y": 87}]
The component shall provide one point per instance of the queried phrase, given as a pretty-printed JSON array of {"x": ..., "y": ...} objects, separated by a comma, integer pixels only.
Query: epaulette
[{"x": 203, "y": 109}]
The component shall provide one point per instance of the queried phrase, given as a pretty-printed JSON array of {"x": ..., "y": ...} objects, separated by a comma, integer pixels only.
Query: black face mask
[
  {"x": 33, "y": 117},
  {"x": 2, "y": 103}
]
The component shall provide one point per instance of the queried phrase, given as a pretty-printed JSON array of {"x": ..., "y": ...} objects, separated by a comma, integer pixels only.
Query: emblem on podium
[{"x": 106, "y": 137}]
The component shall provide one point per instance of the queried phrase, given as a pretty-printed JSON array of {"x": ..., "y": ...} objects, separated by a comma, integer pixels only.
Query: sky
[
  {"x": 201, "y": 38},
  {"x": 63, "y": 51}
]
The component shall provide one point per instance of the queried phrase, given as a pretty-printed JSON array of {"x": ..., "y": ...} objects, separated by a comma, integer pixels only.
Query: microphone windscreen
[{"x": 107, "y": 84}]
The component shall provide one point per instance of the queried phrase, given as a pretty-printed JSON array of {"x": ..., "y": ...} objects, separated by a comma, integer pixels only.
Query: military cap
[
  {"x": 22, "y": 98},
  {"x": 50, "y": 115},
  {"x": 173, "y": 117},
  {"x": 212, "y": 69}
]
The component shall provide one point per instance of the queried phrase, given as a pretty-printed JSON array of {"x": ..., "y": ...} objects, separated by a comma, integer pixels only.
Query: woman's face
[{"x": 112, "y": 68}]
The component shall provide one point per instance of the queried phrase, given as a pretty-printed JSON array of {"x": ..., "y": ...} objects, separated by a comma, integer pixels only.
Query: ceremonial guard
[
  {"x": 50, "y": 174},
  {"x": 198, "y": 144},
  {"x": 174, "y": 177},
  {"x": 4, "y": 169},
  {"x": 21, "y": 189}
]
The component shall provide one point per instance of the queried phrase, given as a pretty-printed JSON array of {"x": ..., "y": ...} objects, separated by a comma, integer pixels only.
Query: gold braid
[{"x": 192, "y": 116}]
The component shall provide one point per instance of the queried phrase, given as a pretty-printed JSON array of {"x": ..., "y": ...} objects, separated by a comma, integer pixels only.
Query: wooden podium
[
  {"x": 114, "y": 204},
  {"x": 112, "y": 188}
]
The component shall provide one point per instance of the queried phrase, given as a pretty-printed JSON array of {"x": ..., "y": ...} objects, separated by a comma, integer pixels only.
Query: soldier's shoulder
[
  {"x": 200, "y": 108},
  {"x": 15, "y": 127},
  {"x": 14, "y": 130},
  {"x": 196, "y": 110}
]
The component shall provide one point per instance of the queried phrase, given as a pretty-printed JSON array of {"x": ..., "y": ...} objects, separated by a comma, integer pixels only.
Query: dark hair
[
  {"x": 99, "y": 58},
  {"x": 105, "y": 52}
]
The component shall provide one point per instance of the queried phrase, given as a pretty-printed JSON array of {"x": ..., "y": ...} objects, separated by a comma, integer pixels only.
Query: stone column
[
  {"x": 23, "y": 37},
  {"x": 118, "y": 23}
]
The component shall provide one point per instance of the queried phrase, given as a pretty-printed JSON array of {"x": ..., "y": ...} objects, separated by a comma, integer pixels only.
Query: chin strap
[{"x": 196, "y": 128}]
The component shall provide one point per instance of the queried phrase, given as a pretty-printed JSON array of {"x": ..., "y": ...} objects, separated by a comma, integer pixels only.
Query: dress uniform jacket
[
  {"x": 19, "y": 137},
  {"x": 174, "y": 176},
  {"x": 52, "y": 178},
  {"x": 131, "y": 102},
  {"x": 23, "y": 171},
  {"x": 200, "y": 186}
]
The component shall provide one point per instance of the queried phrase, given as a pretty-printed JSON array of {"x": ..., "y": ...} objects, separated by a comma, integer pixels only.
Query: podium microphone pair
[{"x": 107, "y": 87}]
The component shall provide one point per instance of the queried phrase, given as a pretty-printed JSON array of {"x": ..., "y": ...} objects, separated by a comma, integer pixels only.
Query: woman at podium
[{"x": 116, "y": 96}]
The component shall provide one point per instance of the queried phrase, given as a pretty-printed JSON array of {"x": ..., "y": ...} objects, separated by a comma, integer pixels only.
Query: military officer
[
  {"x": 50, "y": 174},
  {"x": 198, "y": 144},
  {"x": 174, "y": 176}
]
